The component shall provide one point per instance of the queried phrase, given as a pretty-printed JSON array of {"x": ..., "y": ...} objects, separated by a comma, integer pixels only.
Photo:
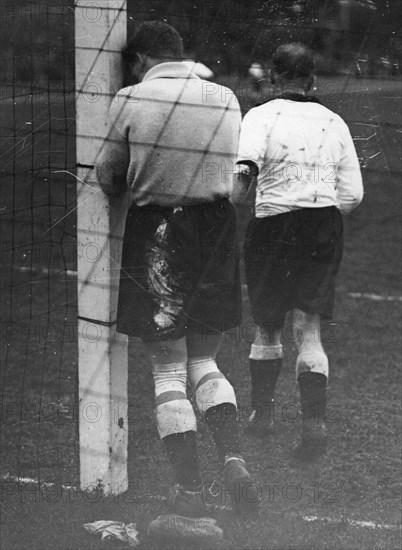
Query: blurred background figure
[{"x": 256, "y": 74}]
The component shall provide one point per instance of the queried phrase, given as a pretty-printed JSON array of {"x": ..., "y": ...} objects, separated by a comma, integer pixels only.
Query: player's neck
[{"x": 290, "y": 89}]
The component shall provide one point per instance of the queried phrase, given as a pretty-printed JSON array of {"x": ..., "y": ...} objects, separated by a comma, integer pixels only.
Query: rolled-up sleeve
[{"x": 252, "y": 144}]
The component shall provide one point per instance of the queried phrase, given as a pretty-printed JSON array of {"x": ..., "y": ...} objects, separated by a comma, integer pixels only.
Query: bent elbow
[
  {"x": 350, "y": 192},
  {"x": 112, "y": 184},
  {"x": 358, "y": 193},
  {"x": 347, "y": 204},
  {"x": 359, "y": 197}
]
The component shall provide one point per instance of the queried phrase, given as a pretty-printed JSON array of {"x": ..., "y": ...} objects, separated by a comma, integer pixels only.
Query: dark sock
[
  {"x": 264, "y": 375},
  {"x": 221, "y": 420},
  {"x": 182, "y": 452},
  {"x": 313, "y": 396}
]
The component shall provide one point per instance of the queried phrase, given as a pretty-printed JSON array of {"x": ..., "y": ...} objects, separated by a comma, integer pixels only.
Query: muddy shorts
[
  {"x": 291, "y": 261},
  {"x": 179, "y": 272}
]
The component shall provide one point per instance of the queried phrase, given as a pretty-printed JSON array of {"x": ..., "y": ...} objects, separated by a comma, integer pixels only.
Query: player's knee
[
  {"x": 210, "y": 385},
  {"x": 268, "y": 334},
  {"x": 167, "y": 352},
  {"x": 202, "y": 345},
  {"x": 313, "y": 360},
  {"x": 170, "y": 378}
]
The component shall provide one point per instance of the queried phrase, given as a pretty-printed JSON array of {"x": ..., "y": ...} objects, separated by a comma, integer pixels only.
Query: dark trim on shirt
[
  {"x": 293, "y": 97},
  {"x": 253, "y": 166}
]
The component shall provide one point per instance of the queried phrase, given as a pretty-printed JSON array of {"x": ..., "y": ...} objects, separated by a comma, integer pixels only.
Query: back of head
[
  {"x": 293, "y": 61},
  {"x": 155, "y": 39}
]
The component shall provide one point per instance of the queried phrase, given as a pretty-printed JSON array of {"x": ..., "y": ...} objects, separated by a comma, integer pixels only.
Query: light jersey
[
  {"x": 175, "y": 136},
  {"x": 305, "y": 156}
]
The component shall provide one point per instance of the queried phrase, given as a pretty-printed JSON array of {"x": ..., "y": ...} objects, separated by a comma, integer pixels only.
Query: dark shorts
[
  {"x": 291, "y": 261},
  {"x": 180, "y": 271}
]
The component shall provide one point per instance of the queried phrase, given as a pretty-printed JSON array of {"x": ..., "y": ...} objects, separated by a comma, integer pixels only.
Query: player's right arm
[
  {"x": 349, "y": 190},
  {"x": 250, "y": 155},
  {"x": 114, "y": 158}
]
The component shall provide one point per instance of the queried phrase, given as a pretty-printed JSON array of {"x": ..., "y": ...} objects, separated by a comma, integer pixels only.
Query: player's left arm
[
  {"x": 349, "y": 188},
  {"x": 114, "y": 158}
]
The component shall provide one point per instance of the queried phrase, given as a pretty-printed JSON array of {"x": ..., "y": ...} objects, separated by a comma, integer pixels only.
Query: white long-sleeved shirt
[
  {"x": 305, "y": 156},
  {"x": 172, "y": 139}
]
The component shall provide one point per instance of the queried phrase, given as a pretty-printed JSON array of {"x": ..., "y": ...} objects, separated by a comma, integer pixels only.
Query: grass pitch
[{"x": 350, "y": 499}]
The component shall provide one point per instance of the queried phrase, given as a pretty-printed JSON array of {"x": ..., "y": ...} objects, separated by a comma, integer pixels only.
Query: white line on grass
[
  {"x": 33, "y": 481},
  {"x": 375, "y": 297},
  {"x": 46, "y": 270},
  {"x": 351, "y": 522},
  {"x": 364, "y": 295}
]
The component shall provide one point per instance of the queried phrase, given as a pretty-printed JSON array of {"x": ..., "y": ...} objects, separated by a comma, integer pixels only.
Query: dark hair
[
  {"x": 156, "y": 39},
  {"x": 293, "y": 61}
]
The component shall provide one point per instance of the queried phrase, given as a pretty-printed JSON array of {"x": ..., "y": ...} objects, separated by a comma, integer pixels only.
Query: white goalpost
[{"x": 100, "y": 32}]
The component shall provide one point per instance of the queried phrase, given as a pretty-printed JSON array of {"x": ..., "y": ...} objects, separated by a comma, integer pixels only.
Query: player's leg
[
  {"x": 312, "y": 376},
  {"x": 320, "y": 240},
  {"x": 216, "y": 400},
  {"x": 158, "y": 270},
  {"x": 213, "y": 307},
  {"x": 176, "y": 423},
  {"x": 268, "y": 253},
  {"x": 266, "y": 357},
  {"x": 215, "y": 396}
]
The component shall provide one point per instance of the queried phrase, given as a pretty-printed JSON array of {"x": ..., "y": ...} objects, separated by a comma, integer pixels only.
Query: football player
[
  {"x": 172, "y": 142},
  {"x": 308, "y": 175}
]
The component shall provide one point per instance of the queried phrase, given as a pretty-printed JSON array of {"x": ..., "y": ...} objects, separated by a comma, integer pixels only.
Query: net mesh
[
  {"x": 38, "y": 190},
  {"x": 39, "y": 357}
]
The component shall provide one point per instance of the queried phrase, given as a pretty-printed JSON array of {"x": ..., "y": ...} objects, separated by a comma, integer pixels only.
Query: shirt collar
[
  {"x": 170, "y": 69},
  {"x": 292, "y": 97},
  {"x": 297, "y": 97}
]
